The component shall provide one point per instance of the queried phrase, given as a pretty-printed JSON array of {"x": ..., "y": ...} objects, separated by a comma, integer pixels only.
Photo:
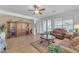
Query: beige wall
[{"x": 3, "y": 19}]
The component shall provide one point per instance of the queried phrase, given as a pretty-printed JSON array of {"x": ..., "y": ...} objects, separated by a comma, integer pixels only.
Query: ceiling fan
[{"x": 37, "y": 10}]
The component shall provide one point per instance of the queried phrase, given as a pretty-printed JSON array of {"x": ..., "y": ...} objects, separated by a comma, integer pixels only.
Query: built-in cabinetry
[{"x": 17, "y": 28}]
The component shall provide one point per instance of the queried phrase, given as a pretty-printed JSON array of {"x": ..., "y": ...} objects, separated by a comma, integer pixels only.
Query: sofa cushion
[
  {"x": 77, "y": 48},
  {"x": 68, "y": 35},
  {"x": 75, "y": 41},
  {"x": 58, "y": 33},
  {"x": 65, "y": 42}
]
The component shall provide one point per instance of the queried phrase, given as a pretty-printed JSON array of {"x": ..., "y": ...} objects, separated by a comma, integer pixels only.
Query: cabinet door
[
  {"x": 23, "y": 29},
  {"x": 8, "y": 30},
  {"x": 19, "y": 29}
]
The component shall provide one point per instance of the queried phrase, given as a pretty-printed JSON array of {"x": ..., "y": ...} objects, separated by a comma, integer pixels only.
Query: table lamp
[{"x": 76, "y": 26}]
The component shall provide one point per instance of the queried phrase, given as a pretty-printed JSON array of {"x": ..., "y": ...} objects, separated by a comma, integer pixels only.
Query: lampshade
[{"x": 76, "y": 26}]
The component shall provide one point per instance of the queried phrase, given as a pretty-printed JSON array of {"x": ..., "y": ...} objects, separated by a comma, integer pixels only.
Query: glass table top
[{"x": 47, "y": 37}]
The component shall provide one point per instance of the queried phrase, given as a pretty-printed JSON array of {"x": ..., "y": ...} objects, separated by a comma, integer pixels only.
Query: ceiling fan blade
[
  {"x": 40, "y": 12},
  {"x": 43, "y": 9},
  {"x": 30, "y": 10},
  {"x": 37, "y": 9}
]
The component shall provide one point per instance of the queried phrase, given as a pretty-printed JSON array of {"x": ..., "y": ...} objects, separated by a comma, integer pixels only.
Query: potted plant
[{"x": 54, "y": 48}]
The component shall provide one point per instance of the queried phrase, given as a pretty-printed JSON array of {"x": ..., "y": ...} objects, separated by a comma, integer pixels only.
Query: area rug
[{"x": 41, "y": 47}]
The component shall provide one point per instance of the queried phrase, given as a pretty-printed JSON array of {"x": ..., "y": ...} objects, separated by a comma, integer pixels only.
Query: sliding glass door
[
  {"x": 58, "y": 23},
  {"x": 66, "y": 23},
  {"x": 47, "y": 25},
  {"x": 44, "y": 26}
]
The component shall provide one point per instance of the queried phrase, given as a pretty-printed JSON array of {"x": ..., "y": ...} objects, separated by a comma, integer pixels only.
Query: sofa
[
  {"x": 69, "y": 42},
  {"x": 60, "y": 33},
  {"x": 69, "y": 46}
]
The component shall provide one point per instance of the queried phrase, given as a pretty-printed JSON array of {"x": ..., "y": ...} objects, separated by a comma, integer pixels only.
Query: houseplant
[{"x": 54, "y": 48}]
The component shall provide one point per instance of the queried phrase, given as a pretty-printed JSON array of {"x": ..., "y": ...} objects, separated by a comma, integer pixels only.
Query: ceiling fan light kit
[{"x": 36, "y": 11}]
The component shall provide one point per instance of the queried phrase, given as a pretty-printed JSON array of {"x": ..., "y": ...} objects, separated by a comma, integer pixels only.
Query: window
[
  {"x": 44, "y": 26},
  {"x": 68, "y": 25},
  {"x": 49, "y": 25},
  {"x": 58, "y": 23}
]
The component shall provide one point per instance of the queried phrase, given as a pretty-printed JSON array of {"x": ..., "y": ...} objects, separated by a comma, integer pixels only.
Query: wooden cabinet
[
  {"x": 8, "y": 30},
  {"x": 10, "y": 26},
  {"x": 20, "y": 28}
]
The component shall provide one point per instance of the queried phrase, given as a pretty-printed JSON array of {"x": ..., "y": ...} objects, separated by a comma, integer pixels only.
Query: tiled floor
[{"x": 22, "y": 44}]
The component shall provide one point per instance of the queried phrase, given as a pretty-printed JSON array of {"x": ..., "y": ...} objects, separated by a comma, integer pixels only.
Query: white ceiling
[{"x": 23, "y": 9}]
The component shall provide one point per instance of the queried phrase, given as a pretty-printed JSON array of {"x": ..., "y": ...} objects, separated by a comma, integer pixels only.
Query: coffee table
[{"x": 48, "y": 38}]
